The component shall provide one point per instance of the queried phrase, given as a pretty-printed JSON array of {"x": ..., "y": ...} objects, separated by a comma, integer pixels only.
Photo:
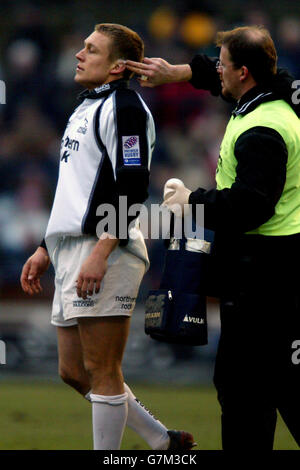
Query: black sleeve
[
  {"x": 43, "y": 244},
  {"x": 132, "y": 173},
  {"x": 261, "y": 156},
  {"x": 204, "y": 74}
]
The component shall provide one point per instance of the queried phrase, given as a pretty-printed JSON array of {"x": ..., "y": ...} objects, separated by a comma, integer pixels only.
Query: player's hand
[
  {"x": 32, "y": 271},
  {"x": 152, "y": 72},
  {"x": 176, "y": 197},
  {"x": 91, "y": 274}
]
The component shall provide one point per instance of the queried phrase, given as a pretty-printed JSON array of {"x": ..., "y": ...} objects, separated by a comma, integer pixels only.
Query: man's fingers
[
  {"x": 79, "y": 283},
  {"x": 24, "y": 274},
  {"x": 97, "y": 287},
  {"x": 82, "y": 287},
  {"x": 28, "y": 280},
  {"x": 34, "y": 288},
  {"x": 145, "y": 71},
  {"x": 146, "y": 83},
  {"x": 139, "y": 68},
  {"x": 90, "y": 288},
  {"x": 28, "y": 288},
  {"x": 37, "y": 285},
  {"x": 148, "y": 61},
  {"x": 136, "y": 65},
  {"x": 32, "y": 275},
  {"x": 136, "y": 68},
  {"x": 87, "y": 287}
]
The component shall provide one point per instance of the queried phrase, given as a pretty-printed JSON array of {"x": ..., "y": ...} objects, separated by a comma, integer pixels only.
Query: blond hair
[{"x": 125, "y": 43}]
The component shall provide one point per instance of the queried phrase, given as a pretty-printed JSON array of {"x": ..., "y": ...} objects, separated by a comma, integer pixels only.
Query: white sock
[
  {"x": 145, "y": 424},
  {"x": 109, "y": 419}
]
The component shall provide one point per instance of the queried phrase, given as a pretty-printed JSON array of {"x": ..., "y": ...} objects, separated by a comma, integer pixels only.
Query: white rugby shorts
[{"x": 118, "y": 290}]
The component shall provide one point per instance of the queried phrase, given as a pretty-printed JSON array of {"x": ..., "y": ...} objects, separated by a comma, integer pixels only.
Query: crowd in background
[{"x": 37, "y": 63}]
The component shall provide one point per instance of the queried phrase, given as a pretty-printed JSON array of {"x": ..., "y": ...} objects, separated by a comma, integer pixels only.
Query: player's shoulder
[{"x": 127, "y": 98}]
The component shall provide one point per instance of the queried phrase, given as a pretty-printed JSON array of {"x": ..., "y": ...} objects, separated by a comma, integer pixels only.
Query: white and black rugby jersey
[{"x": 105, "y": 153}]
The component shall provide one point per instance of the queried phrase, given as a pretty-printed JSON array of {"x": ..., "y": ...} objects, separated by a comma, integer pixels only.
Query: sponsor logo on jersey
[
  {"x": 126, "y": 301},
  {"x": 65, "y": 156},
  {"x": 83, "y": 129},
  {"x": 104, "y": 87},
  {"x": 83, "y": 303},
  {"x": 131, "y": 150},
  {"x": 71, "y": 144},
  {"x": 188, "y": 319}
]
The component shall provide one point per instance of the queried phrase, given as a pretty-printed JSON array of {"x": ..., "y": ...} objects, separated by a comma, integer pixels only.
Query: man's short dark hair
[
  {"x": 253, "y": 47},
  {"x": 125, "y": 43}
]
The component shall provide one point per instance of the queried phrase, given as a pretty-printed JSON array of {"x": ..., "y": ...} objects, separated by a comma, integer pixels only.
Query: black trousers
[{"x": 256, "y": 373}]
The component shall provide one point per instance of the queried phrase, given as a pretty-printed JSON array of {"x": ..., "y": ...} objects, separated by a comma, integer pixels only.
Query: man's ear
[
  {"x": 244, "y": 73},
  {"x": 118, "y": 67}
]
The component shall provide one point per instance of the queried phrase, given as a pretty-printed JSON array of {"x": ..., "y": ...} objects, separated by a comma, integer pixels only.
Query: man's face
[
  {"x": 94, "y": 64},
  {"x": 229, "y": 75}
]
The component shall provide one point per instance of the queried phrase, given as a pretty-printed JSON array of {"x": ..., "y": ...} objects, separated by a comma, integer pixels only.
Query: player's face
[
  {"x": 94, "y": 66},
  {"x": 229, "y": 75}
]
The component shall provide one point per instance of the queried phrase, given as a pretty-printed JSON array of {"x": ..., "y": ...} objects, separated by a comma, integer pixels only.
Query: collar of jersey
[
  {"x": 103, "y": 90},
  {"x": 251, "y": 99}
]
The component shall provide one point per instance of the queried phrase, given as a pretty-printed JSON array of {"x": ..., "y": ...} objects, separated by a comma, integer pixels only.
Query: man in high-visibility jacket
[{"x": 255, "y": 213}]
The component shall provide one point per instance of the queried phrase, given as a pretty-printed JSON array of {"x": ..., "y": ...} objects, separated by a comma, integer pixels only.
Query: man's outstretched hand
[{"x": 157, "y": 71}]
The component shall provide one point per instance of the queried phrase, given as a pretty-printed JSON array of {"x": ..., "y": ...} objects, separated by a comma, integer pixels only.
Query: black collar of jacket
[
  {"x": 103, "y": 90},
  {"x": 251, "y": 99}
]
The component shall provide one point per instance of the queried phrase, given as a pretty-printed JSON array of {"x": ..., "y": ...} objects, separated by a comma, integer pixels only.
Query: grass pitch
[{"x": 50, "y": 416}]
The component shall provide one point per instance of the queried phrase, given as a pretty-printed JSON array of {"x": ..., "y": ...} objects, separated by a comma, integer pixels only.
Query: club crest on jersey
[
  {"x": 131, "y": 150},
  {"x": 83, "y": 129}
]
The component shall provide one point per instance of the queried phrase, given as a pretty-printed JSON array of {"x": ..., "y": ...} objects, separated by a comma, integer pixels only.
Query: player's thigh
[
  {"x": 103, "y": 340},
  {"x": 70, "y": 354}
]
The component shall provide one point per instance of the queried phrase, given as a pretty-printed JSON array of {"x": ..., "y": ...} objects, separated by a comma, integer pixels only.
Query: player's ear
[{"x": 118, "y": 67}]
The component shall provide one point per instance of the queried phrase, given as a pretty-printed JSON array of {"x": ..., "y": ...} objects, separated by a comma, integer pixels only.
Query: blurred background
[{"x": 38, "y": 43}]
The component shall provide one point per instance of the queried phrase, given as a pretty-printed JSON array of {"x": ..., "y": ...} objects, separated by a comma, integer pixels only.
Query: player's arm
[
  {"x": 251, "y": 200},
  {"x": 201, "y": 72},
  {"x": 32, "y": 271},
  {"x": 261, "y": 156},
  {"x": 130, "y": 156}
]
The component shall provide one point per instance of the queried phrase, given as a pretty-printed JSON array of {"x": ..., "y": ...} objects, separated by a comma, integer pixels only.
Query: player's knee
[
  {"x": 73, "y": 378},
  {"x": 102, "y": 372}
]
